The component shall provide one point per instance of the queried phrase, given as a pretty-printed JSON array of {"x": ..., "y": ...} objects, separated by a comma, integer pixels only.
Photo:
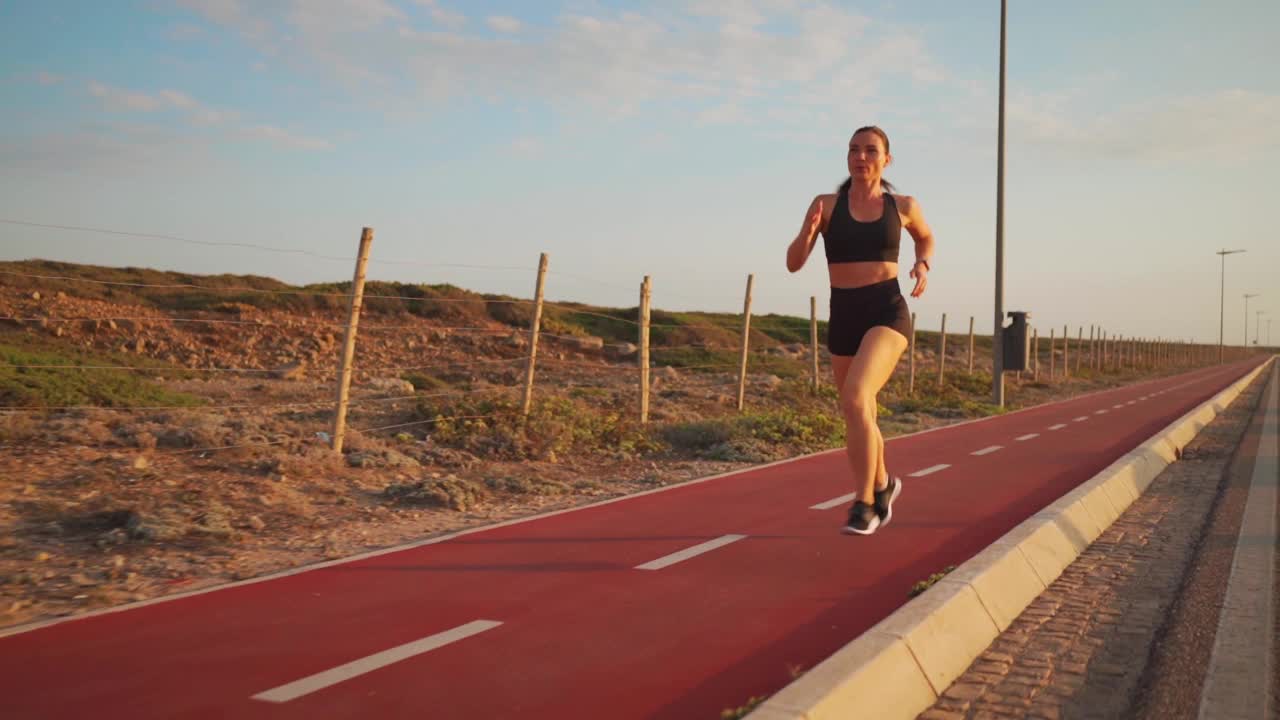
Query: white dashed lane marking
[
  {"x": 333, "y": 676},
  {"x": 1028, "y": 436},
  {"x": 696, "y": 550},
  {"x": 929, "y": 470},
  {"x": 1100, "y": 412},
  {"x": 1082, "y": 418},
  {"x": 1059, "y": 426},
  {"x": 987, "y": 450},
  {"x": 835, "y": 502},
  {"x": 1117, "y": 406}
]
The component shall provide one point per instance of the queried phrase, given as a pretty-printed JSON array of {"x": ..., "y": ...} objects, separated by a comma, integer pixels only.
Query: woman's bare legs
[
  {"x": 859, "y": 379},
  {"x": 840, "y": 364}
]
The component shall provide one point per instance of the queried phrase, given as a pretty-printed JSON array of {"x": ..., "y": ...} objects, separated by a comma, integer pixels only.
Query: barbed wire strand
[
  {"x": 425, "y": 422},
  {"x": 354, "y": 402},
  {"x": 306, "y": 324},
  {"x": 254, "y": 246},
  {"x": 590, "y": 313},
  {"x": 264, "y": 291},
  {"x": 156, "y": 236},
  {"x": 593, "y": 366}
]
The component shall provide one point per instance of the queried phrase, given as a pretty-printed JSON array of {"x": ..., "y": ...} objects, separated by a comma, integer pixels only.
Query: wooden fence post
[
  {"x": 646, "y": 293},
  {"x": 349, "y": 341},
  {"x": 1079, "y": 348},
  {"x": 1052, "y": 359},
  {"x": 971, "y": 345},
  {"x": 813, "y": 338},
  {"x": 746, "y": 337},
  {"x": 911, "y": 357},
  {"x": 1093, "y": 351},
  {"x": 1066, "y": 351},
  {"x": 1035, "y": 354},
  {"x": 942, "y": 350},
  {"x": 534, "y": 328}
]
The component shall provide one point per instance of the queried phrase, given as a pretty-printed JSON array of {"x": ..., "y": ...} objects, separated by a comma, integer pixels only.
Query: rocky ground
[{"x": 101, "y": 506}]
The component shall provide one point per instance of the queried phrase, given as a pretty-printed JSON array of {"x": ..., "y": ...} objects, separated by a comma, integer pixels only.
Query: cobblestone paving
[{"x": 1080, "y": 649}]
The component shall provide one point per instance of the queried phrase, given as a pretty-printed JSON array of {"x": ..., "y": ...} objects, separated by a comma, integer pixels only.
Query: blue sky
[{"x": 678, "y": 139}]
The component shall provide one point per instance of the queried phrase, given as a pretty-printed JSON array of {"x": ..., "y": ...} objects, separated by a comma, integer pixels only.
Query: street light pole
[
  {"x": 1246, "y": 317},
  {"x": 1222, "y": 300},
  {"x": 1257, "y": 322},
  {"x": 997, "y": 334}
]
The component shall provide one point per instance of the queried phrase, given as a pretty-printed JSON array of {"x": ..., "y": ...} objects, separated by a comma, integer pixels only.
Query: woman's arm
[
  {"x": 923, "y": 236},
  {"x": 799, "y": 249}
]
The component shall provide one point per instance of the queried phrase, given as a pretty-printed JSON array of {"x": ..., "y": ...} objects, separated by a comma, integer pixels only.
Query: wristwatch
[{"x": 926, "y": 263}]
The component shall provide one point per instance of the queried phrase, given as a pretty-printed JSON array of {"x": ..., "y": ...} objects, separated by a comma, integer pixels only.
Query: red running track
[{"x": 583, "y": 632}]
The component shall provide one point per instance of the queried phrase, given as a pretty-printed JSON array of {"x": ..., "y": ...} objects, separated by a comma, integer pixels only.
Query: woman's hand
[
  {"x": 815, "y": 222},
  {"x": 799, "y": 249},
  {"x": 920, "y": 272}
]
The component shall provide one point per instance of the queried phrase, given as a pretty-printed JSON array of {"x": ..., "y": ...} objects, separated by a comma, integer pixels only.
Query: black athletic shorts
[{"x": 854, "y": 311}]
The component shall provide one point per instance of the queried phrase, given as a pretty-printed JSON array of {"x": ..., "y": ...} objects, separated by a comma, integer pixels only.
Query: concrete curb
[{"x": 911, "y": 657}]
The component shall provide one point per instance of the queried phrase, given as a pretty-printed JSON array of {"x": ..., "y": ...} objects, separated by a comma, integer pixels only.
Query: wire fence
[{"x": 730, "y": 353}]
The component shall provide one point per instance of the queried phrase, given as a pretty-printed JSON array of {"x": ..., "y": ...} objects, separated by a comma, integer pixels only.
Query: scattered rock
[
  {"x": 395, "y": 386},
  {"x": 621, "y": 351},
  {"x": 35, "y": 295},
  {"x": 256, "y": 523},
  {"x": 589, "y": 342},
  {"x": 82, "y": 580},
  {"x": 289, "y": 371}
]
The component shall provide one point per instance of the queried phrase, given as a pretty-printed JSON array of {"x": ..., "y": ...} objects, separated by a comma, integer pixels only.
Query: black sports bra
[{"x": 848, "y": 240}]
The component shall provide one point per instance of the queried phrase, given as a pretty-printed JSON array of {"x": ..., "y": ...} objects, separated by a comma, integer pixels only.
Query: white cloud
[
  {"x": 111, "y": 149},
  {"x": 125, "y": 100},
  {"x": 443, "y": 16},
  {"x": 198, "y": 114},
  {"x": 177, "y": 99},
  {"x": 1223, "y": 125},
  {"x": 231, "y": 13},
  {"x": 814, "y": 57},
  {"x": 285, "y": 138},
  {"x": 503, "y": 23},
  {"x": 334, "y": 17}
]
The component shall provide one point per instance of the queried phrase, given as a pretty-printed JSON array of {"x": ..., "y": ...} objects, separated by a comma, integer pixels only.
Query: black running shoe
[
  {"x": 863, "y": 520},
  {"x": 885, "y": 498}
]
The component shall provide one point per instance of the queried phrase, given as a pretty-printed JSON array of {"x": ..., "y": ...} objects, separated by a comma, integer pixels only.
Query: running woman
[{"x": 861, "y": 225}]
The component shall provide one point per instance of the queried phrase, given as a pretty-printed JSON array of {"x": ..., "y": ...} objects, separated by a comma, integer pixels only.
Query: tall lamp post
[
  {"x": 1256, "y": 324},
  {"x": 1246, "y": 317},
  {"x": 997, "y": 334},
  {"x": 1222, "y": 300}
]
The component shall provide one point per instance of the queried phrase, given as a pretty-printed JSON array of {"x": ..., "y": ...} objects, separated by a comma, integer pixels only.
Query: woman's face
[{"x": 867, "y": 156}]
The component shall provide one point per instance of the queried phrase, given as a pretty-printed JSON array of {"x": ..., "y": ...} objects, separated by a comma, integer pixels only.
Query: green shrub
[
  {"x": 494, "y": 427},
  {"x": 930, "y": 581},
  {"x": 57, "y": 386},
  {"x": 741, "y": 437}
]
